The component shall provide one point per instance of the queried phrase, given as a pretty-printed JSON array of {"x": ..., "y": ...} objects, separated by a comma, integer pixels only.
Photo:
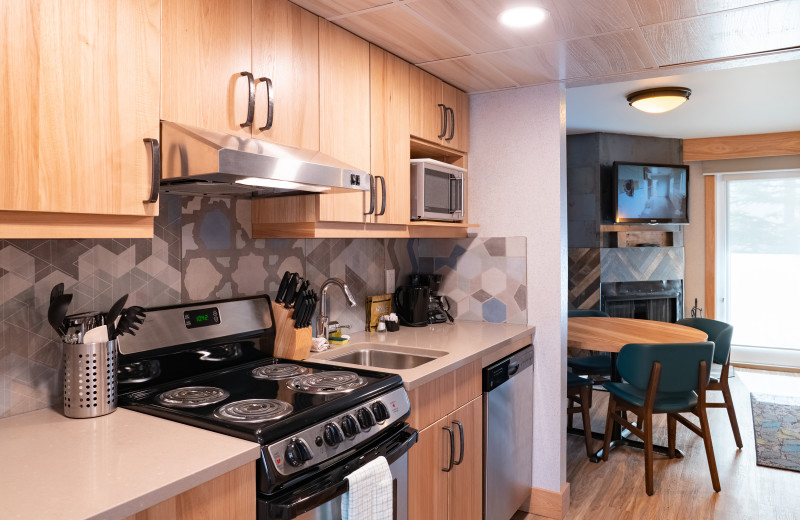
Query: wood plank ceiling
[{"x": 581, "y": 42}]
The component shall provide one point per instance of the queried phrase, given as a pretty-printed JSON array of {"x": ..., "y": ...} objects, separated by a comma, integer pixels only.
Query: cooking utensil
[
  {"x": 96, "y": 335},
  {"x": 282, "y": 289},
  {"x": 112, "y": 316},
  {"x": 56, "y": 291},
  {"x": 58, "y": 311},
  {"x": 129, "y": 320}
]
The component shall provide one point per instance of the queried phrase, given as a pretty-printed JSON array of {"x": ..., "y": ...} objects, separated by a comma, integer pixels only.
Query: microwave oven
[{"x": 437, "y": 190}]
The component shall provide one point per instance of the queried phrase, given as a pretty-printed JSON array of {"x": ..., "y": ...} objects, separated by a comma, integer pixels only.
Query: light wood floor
[{"x": 615, "y": 489}]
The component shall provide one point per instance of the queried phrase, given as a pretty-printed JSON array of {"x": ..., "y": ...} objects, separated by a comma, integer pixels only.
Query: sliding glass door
[{"x": 759, "y": 262}]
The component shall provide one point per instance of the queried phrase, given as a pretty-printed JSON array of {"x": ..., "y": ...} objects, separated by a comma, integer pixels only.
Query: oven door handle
[{"x": 294, "y": 505}]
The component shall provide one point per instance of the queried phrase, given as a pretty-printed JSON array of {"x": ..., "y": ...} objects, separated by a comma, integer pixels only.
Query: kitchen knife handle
[
  {"x": 444, "y": 121},
  {"x": 383, "y": 195},
  {"x": 282, "y": 289},
  {"x": 452, "y": 124},
  {"x": 461, "y": 435},
  {"x": 372, "y": 196},
  {"x": 155, "y": 168},
  {"x": 452, "y": 448},
  {"x": 270, "y": 103},
  {"x": 251, "y": 99}
]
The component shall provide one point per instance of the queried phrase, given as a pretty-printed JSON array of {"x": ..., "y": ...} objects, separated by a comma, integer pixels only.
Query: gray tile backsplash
[{"x": 202, "y": 249}]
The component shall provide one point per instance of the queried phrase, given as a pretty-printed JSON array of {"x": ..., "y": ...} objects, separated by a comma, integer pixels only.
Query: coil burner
[
  {"x": 192, "y": 396},
  {"x": 278, "y": 371},
  {"x": 327, "y": 382},
  {"x": 253, "y": 410}
]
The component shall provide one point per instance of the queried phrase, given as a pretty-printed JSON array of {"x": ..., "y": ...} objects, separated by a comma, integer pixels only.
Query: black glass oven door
[{"x": 319, "y": 497}]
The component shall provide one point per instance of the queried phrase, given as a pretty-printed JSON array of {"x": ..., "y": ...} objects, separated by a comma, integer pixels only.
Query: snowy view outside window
[{"x": 763, "y": 257}]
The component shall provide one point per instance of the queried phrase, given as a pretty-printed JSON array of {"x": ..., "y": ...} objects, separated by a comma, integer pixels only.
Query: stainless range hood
[{"x": 200, "y": 162}]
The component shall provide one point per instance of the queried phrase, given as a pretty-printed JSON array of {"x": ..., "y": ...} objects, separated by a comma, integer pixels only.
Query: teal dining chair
[
  {"x": 668, "y": 378},
  {"x": 721, "y": 334},
  {"x": 597, "y": 367},
  {"x": 578, "y": 397}
]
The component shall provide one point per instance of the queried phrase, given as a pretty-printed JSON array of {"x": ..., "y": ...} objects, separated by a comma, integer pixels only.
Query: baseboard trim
[{"x": 550, "y": 504}]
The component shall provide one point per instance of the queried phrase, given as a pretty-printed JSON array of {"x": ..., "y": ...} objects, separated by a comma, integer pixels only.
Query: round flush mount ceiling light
[
  {"x": 522, "y": 16},
  {"x": 658, "y": 100}
]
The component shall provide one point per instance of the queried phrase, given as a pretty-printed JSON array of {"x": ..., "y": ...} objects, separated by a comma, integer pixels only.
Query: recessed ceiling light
[
  {"x": 658, "y": 100},
  {"x": 522, "y": 16}
]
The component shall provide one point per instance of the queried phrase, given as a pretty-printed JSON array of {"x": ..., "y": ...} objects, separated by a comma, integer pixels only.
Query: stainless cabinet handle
[
  {"x": 155, "y": 168},
  {"x": 461, "y": 434},
  {"x": 372, "y": 195},
  {"x": 452, "y": 124},
  {"x": 444, "y": 121},
  {"x": 251, "y": 101},
  {"x": 383, "y": 195},
  {"x": 452, "y": 448},
  {"x": 270, "y": 103}
]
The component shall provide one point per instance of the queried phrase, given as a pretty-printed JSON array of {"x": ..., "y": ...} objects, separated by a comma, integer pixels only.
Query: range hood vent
[{"x": 201, "y": 162}]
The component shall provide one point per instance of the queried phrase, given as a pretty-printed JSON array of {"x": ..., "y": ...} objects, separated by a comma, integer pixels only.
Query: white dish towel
[{"x": 370, "y": 493}]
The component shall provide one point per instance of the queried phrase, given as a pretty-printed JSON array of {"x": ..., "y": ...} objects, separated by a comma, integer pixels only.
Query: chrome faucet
[{"x": 323, "y": 324}]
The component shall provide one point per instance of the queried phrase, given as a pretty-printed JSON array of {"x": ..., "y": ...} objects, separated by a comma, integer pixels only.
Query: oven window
[{"x": 437, "y": 191}]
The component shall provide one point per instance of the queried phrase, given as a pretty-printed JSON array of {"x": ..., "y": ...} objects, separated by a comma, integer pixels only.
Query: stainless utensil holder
[{"x": 90, "y": 379}]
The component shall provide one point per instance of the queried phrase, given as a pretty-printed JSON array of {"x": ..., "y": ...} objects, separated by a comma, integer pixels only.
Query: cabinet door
[
  {"x": 344, "y": 114},
  {"x": 80, "y": 84},
  {"x": 427, "y": 117},
  {"x": 427, "y": 483},
  {"x": 458, "y": 121},
  {"x": 286, "y": 51},
  {"x": 389, "y": 109},
  {"x": 466, "y": 479},
  {"x": 205, "y": 47}
]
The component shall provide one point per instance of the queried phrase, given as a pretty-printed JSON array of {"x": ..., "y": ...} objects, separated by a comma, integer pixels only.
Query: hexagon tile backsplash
[{"x": 201, "y": 250}]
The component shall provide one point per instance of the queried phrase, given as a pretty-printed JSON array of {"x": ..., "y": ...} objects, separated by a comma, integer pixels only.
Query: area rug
[{"x": 776, "y": 421}]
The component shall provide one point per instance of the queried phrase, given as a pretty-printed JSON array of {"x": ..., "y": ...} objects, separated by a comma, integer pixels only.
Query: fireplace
[{"x": 660, "y": 300}]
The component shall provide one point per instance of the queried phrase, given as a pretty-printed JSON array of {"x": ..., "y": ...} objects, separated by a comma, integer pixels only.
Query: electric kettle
[{"x": 411, "y": 305}]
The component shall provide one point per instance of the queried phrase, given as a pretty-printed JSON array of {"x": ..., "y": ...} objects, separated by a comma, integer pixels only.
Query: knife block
[{"x": 290, "y": 343}]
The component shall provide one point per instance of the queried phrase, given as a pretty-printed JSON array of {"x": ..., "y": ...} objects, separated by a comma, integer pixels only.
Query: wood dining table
[{"x": 610, "y": 335}]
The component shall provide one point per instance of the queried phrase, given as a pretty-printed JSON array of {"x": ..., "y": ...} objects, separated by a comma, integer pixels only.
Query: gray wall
[{"x": 518, "y": 187}]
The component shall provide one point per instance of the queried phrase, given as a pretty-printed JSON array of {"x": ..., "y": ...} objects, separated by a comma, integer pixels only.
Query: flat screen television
[{"x": 651, "y": 193}]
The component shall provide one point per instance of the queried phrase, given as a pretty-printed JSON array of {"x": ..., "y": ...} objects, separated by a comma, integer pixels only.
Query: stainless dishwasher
[{"x": 507, "y": 434}]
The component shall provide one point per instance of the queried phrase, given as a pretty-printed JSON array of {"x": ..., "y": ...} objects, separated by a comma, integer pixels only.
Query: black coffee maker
[{"x": 438, "y": 305}]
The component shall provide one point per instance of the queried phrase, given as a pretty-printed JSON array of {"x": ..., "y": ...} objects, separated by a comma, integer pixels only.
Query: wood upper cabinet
[
  {"x": 205, "y": 48},
  {"x": 439, "y": 112},
  {"x": 389, "y": 111},
  {"x": 344, "y": 115},
  {"x": 286, "y": 68},
  {"x": 80, "y": 93}
]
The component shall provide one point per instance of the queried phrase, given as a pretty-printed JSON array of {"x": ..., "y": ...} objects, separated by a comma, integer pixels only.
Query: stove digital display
[{"x": 201, "y": 317}]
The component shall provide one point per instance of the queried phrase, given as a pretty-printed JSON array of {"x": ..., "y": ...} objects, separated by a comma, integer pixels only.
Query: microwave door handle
[{"x": 456, "y": 195}]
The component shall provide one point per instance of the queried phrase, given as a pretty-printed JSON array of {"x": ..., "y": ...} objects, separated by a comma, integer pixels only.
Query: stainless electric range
[{"x": 209, "y": 365}]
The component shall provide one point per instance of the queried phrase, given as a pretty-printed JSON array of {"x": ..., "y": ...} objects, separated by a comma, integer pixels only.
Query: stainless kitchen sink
[{"x": 387, "y": 359}]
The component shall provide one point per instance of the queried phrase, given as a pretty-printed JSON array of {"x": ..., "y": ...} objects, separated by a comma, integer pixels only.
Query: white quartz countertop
[
  {"x": 456, "y": 345},
  {"x": 105, "y": 467}
]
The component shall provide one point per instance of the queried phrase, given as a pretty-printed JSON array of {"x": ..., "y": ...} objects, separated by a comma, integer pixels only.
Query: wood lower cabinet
[
  {"x": 439, "y": 112},
  {"x": 81, "y": 88},
  {"x": 437, "y": 488},
  {"x": 443, "y": 403},
  {"x": 231, "y": 496}
]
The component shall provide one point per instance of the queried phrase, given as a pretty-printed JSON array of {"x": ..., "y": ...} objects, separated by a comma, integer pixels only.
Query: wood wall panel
[{"x": 741, "y": 146}]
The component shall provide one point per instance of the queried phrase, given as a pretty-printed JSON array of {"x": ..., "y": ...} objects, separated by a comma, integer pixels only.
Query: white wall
[{"x": 517, "y": 176}]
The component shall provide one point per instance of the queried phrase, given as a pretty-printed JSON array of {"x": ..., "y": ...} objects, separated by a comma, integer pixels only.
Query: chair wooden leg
[
  {"x": 587, "y": 422},
  {"x": 671, "y": 431},
  {"x": 712, "y": 463},
  {"x": 726, "y": 394},
  {"x": 570, "y": 401},
  {"x": 612, "y": 405},
  {"x": 648, "y": 453}
]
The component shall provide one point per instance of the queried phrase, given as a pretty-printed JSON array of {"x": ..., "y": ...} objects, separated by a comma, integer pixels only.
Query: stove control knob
[
  {"x": 365, "y": 418},
  {"x": 332, "y": 434},
  {"x": 349, "y": 426},
  {"x": 380, "y": 411},
  {"x": 297, "y": 452}
]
